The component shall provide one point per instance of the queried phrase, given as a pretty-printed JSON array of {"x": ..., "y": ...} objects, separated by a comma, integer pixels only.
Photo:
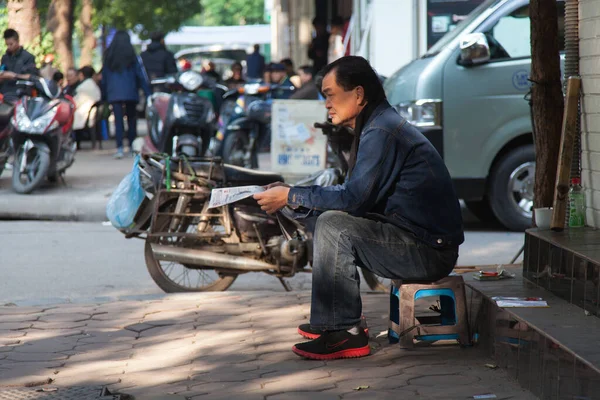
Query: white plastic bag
[{"x": 125, "y": 201}]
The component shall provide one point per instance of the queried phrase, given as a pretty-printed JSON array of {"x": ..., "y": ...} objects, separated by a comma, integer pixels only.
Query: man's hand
[{"x": 274, "y": 199}]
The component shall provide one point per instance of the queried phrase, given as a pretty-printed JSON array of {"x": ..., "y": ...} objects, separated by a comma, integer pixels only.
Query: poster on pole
[{"x": 296, "y": 146}]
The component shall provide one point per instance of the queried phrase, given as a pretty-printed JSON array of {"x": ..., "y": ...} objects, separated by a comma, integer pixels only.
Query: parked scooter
[
  {"x": 191, "y": 248},
  {"x": 6, "y": 112},
  {"x": 182, "y": 119},
  {"x": 42, "y": 134},
  {"x": 247, "y": 125}
]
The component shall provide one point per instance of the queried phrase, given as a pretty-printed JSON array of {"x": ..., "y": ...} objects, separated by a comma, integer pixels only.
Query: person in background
[
  {"x": 17, "y": 63},
  {"x": 158, "y": 61},
  {"x": 88, "y": 93},
  {"x": 48, "y": 71},
  {"x": 72, "y": 82},
  {"x": 184, "y": 65},
  {"x": 236, "y": 79},
  {"x": 267, "y": 74},
  {"x": 279, "y": 77},
  {"x": 255, "y": 64},
  {"x": 122, "y": 76},
  {"x": 336, "y": 40},
  {"x": 210, "y": 70},
  {"x": 317, "y": 51},
  {"x": 59, "y": 78},
  {"x": 308, "y": 90},
  {"x": 291, "y": 72}
]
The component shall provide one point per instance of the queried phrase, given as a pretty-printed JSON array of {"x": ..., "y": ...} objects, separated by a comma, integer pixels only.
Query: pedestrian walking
[
  {"x": 158, "y": 61},
  {"x": 122, "y": 77},
  {"x": 317, "y": 51},
  {"x": 255, "y": 64}
]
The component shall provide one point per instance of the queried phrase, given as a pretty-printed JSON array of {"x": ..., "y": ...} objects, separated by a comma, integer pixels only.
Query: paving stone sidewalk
[{"x": 220, "y": 345}]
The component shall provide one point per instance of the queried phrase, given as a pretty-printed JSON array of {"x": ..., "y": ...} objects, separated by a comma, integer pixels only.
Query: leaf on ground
[{"x": 491, "y": 366}]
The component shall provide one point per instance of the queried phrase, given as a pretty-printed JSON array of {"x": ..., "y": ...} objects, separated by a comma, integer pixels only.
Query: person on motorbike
[
  {"x": 280, "y": 77},
  {"x": 396, "y": 215},
  {"x": 17, "y": 63}
]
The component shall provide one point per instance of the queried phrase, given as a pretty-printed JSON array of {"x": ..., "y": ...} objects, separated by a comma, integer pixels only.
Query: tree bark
[
  {"x": 60, "y": 23},
  {"x": 89, "y": 41},
  {"x": 23, "y": 16},
  {"x": 547, "y": 97}
]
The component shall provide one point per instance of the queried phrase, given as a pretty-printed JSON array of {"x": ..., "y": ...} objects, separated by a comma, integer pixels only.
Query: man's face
[
  {"x": 237, "y": 73},
  {"x": 71, "y": 77},
  {"x": 12, "y": 45},
  {"x": 277, "y": 76},
  {"x": 343, "y": 106},
  {"x": 304, "y": 77}
]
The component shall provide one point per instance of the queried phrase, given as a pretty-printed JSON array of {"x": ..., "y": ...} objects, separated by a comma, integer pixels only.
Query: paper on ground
[{"x": 220, "y": 197}]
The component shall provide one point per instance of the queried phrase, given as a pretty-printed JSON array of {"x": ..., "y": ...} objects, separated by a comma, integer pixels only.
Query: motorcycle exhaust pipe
[{"x": 208, "y": 259}]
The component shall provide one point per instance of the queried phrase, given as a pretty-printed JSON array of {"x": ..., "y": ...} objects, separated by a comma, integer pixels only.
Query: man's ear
[{"x": 360, "y": 95}]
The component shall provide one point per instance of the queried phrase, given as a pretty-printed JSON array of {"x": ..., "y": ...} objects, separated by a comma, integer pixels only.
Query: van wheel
[{"x": 511, "y": 188}]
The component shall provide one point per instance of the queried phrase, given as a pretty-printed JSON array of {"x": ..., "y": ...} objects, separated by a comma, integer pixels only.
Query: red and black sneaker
[
  {"x": 332, "y": 345},
  {"x": 305, "y": 330}
]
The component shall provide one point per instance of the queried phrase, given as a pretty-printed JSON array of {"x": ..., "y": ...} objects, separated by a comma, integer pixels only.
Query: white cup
[{"x": 543, "y": 217}]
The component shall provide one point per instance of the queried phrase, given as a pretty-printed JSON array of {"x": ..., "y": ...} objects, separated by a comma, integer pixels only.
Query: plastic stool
[{"x": 453, "y": 307}]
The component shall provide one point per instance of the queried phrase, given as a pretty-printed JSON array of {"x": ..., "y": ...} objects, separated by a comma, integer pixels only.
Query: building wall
[{"x": 589, "y": 65}]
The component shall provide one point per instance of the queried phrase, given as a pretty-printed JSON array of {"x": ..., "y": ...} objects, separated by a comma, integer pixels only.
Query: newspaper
[{"x": 220, "y": 197}]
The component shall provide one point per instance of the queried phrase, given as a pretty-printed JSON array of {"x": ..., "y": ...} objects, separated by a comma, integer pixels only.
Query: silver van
[{"x": 467, "y": 96}]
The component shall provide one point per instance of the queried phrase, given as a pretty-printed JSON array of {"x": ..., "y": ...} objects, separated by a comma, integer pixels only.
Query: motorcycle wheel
[
  {"x": 234, "y": 148},
  {"x": 38, "y": 163},
  {"x": 173, "y": 277},
  {"x": 374, "y": 282}
]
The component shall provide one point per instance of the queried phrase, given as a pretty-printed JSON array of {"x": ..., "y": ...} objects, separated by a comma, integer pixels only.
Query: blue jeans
[
  {"x": 131, "y": 114},
  {"x": 343, "y": 242}
]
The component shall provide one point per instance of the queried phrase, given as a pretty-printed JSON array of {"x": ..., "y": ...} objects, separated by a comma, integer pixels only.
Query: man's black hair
[
  {"x": 287, "y": 62},
  {"x": 307, "y": 69},
  {"x": 87, "y": 71},
  {"x": 256, "y": 47},
  {"x": 157, "y": 36},
  {"x": 57, "y": 76},
  {"x": 353, "y": 71},
  {"x": 11, "y": 34}
]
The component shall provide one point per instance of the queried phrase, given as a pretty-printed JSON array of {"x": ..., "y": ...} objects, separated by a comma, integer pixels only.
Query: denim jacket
[{"x": 399, "y": 178}]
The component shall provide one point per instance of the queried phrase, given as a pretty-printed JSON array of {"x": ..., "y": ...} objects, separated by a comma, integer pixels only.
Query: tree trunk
[
  {"x": 60, "y": 23},
  {"x": 89, "y": 41},
  {"x": 547, "y": 97},
  {"x": 23, "y": 16}
]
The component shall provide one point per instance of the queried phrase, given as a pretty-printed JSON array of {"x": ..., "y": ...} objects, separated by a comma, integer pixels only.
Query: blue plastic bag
[{"x": 126, "y": 199}]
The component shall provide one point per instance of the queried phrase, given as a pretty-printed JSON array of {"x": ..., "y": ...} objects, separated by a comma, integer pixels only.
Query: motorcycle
[
  {"x": 6, "y": 112},
  {"x": 191, "y": 248},
  {"x": 246, "y": 120},
  {"x": 41, "y": 134},
  {"x": 182, "y": 119}
]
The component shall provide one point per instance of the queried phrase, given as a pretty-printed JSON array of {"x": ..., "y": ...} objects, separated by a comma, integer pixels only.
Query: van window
[{"x": 511, "y": 36}]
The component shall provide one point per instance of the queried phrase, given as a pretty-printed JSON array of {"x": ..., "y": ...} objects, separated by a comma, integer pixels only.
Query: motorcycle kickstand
[
  {"x": 285, "y": 285},
  {"x": 61, "y": 176}
]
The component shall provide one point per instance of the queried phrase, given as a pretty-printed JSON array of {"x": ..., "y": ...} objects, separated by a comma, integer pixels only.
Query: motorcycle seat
[{"x": 236, "y": 175}]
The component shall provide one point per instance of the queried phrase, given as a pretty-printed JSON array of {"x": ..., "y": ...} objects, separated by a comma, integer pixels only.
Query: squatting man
[{"x": 397, "y": 214}]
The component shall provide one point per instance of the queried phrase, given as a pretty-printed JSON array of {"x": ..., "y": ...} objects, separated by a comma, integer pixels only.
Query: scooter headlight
[
  {"x": 24, "y": 124},
  {"x": 191, "y": 80}
]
